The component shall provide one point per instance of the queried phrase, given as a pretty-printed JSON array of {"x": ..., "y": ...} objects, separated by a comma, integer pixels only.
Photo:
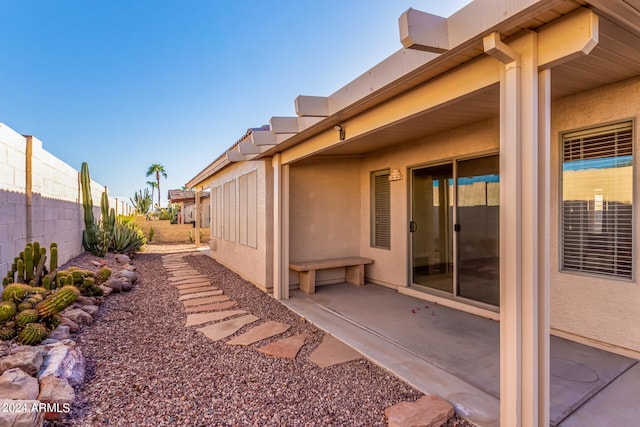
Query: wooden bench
[{"x": 354, "y": 270}]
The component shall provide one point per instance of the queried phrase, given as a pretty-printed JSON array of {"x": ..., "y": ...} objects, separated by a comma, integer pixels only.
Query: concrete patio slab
[
  {"x": 616, "y": 405},
  {"x": 332, "y": 351},
  {"x": 221, "y": 330},
  {"x": 287, "y": 348},
  {"x": 197, "y": 290},
  {"x": 203, "y": 301},
  {"x": 259, "y": 333},
  {"x": 448, "y": 352},
  {"x": 211, "y": 307},
  {"x": 201, "y": 318},
  {"x": 200, "y": 295}
]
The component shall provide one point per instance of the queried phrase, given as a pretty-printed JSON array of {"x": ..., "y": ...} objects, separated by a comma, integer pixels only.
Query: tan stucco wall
[
  {"x": 324, "y": 212},
  {"x": 390, "y": 267},
  {"x": 593, "y": 307},
  {"x": 254, "y": 264}
]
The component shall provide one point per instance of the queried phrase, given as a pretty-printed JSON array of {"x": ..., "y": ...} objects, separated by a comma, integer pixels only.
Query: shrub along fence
[{"x": 40, "y": 199}]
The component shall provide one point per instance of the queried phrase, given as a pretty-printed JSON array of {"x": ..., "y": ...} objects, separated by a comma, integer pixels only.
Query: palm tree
[
  {"x": 153, "y": 186},
  {"x": 158, "y": 170}
]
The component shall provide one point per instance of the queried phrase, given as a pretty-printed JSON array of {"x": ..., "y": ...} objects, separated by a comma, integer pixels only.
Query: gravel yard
[{"x": 145, "y": 368}]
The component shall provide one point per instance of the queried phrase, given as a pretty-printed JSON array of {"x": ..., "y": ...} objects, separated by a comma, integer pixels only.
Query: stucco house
[
  {"x": 186, "y": 200},
  {"x": 489, "y": 165}
]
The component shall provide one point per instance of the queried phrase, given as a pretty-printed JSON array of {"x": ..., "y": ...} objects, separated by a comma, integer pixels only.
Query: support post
[
  {"x": 524, "y": 184},
  {"x": 198, "y": 218},
  {"x": 280, "y": 228}
]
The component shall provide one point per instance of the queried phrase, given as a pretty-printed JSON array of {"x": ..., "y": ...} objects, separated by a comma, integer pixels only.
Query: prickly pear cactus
[
  {"x": 32, "y": 334},
  {"x": 8, "y": 309},
  {"x": 58, "y": 301},
  {"x": 27, "y": 316}
]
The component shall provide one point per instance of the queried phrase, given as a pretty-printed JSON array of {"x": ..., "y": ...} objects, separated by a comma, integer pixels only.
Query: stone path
[{"x": 209, "y": 310}]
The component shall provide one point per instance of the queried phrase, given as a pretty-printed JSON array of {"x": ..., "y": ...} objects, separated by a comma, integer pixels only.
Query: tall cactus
[{"x": 95, "y": 238}]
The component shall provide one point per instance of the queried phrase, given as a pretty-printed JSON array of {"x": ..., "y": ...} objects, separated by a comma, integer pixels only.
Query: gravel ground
[{"x": 145, "y": 368}]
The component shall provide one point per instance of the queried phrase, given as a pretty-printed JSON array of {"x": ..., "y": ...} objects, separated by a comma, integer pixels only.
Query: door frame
[{"x": 455, "y": 294}]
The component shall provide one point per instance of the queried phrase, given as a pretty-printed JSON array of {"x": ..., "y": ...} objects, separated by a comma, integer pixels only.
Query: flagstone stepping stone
[
  {"x": 174, "y": 277},
  {"x": 332, "y": 351},
  {"x": 259, "y": 333},
  {"x": 193, "y": 285},
  {"x": 287, "y": 348},
  {"x": 202, "y": 301},
  {"x": 200, "y": 318},
  {"x": 200, "y": 294},
  {"x": 198, "y": 289},
  {"x": 189, "y": 280},
  {"x": 223, "y": 329},
  {"x": 211, "y": 307}
]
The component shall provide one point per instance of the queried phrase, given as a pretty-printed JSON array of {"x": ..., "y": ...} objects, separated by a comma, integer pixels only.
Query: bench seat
[{"x": 354, "y": 270}]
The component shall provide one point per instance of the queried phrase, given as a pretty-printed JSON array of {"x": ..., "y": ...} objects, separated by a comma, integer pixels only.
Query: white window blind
[
  {"x": 597, "y": 201},
  {"x": 381, "y": 210}
]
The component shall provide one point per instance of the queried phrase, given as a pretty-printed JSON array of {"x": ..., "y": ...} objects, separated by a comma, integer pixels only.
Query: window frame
[
  {"x": 600, "y": 129},
  {"x": 374, "y": 243}
]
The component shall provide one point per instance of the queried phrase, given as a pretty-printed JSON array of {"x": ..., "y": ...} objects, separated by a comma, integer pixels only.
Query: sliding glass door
[{"x": 455, "y": 228}]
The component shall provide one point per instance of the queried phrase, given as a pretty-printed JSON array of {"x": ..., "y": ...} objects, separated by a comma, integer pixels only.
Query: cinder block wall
[{"x": 40, "y": 200}]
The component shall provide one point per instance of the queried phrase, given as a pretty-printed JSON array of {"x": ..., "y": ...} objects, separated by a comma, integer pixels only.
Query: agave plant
[{"x": 127, "y": 237}]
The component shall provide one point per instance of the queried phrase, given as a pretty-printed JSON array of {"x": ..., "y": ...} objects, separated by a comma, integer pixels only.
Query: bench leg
[
  {"x": 355, "y": 274},
  {"x": 308, "y": 281}
]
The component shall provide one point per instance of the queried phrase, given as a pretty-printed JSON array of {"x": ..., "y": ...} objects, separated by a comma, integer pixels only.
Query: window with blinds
[
  {"x": 597, "y": 201},
  {"x": 380, "y": 210}
]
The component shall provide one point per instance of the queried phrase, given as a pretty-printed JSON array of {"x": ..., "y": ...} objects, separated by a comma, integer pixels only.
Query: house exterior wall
[
  {"x": 324, "y": 209},
  {"x": 591, "y": 307},
  {"x": 251, "y": 257},
  {"x": 391, "y": 266}
]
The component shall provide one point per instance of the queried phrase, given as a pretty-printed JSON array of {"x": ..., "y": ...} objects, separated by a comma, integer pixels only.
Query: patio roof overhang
[{"x": 415, "y": 105}]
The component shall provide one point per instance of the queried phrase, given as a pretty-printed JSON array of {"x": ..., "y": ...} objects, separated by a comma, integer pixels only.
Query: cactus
[
  {"x": 52, "y": 322},
  {"x": 7, "y": 333},
  {"x": 20, "y": 270},
  {"x": 103, "y": 275},
  {"x": 24, "y": 305},
  {"x": 28, "y": 263},
  {"x": 16, "y": 292},
  {"x": 6, "y": 281},
  {"x": 27, "y": 316},
  {"x": 8, "y": 309},
  {"x": 58, "y": 301},
  {"x": 36, "y": 253},
  {"x": 53, "y": 261},
  {"x": 46, "y": 282},
  {"x": 32, "y": 334}
]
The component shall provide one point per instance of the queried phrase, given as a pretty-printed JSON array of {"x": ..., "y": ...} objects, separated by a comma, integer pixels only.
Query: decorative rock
[
  {"x": 73, "y": 326},
  {"x": 82, "y": 300},
  {"x": 78, "y": 316},
  {"x": 428, "y": 411},
  {"x": 91, "y": 309},
  {"x": 28, "y": 359},
  {"x": 62, "y": 332},
  {"x": 130, "y": 267},
  {"x": 64, "y": 361},
  {"x": 114, "y": 284},
  {"x": 58, "y": 392},
  {"x": 17, "y": 384},
  {"x": 22, "y": 415},
  {"x": 130, "y": 275},
  {"x": 105, "y": 290},
  {"x": 123, "y": 259}
]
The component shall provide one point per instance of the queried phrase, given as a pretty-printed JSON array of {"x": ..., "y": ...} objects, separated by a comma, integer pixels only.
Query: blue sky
[{"x": 122, "y": 84}]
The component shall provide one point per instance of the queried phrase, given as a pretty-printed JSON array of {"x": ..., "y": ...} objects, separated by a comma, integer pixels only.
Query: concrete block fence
[{"x": 41, "y": 199}]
